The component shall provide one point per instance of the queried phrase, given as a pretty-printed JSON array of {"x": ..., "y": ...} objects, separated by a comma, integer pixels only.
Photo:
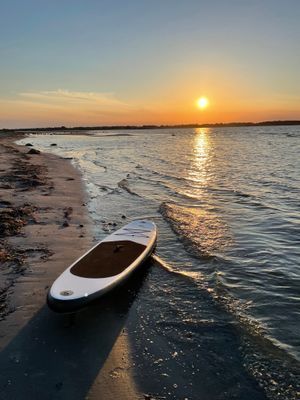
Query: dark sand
[{"x": 44, "y": 226}]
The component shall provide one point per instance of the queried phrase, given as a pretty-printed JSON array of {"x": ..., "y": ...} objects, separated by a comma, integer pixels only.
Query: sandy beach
[{"x": 45, "y": 227}]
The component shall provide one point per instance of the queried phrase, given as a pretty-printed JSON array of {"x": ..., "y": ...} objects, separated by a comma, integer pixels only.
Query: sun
[{"x": 202, "y": 103}]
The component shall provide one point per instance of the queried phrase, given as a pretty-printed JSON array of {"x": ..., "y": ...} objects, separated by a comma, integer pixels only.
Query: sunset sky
[{"x": 97, "y": 62}]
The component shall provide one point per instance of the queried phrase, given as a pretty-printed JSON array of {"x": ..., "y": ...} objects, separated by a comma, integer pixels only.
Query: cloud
[
  {"x": 65, "y": 107},
  {"x": 68, "y": 98}
]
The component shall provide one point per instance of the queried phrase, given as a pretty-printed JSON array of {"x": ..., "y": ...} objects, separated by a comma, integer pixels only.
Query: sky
[{"x": 98, "y": 62}]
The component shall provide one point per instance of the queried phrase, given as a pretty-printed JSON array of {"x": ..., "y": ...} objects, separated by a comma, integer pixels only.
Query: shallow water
[{"x": 226, "y": 202}]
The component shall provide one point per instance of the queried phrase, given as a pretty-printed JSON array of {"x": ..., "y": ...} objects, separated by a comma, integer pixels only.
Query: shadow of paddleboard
[{"x": 54, "y": 357}]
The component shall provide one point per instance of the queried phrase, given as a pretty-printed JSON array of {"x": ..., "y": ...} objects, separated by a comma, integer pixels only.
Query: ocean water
[{"x": 224, "y": 306}]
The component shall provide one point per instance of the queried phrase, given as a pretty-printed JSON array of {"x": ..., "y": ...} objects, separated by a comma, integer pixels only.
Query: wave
[
  {"x": 154, "y": 172},
  {"x": 124, "y": 184},
  {"x": 196, "y": 276},
  {"x": 104, "y": 167},
  {"x": 202, "y": 232}
]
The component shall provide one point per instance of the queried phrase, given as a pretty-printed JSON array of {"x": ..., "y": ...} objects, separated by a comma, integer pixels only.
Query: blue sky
[{"x": 152, "y": 57}]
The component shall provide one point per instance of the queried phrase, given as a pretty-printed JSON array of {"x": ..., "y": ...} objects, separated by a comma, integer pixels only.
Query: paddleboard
[{"x": 103, "y": 267}]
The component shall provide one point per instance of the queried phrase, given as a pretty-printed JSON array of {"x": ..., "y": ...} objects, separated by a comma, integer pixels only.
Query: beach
[
  {"x": 210, "y": 320},
  {"x": 44, "y": 228}
]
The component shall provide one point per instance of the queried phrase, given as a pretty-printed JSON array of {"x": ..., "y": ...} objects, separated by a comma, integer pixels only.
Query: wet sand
[{"x": 45, "y": 227}]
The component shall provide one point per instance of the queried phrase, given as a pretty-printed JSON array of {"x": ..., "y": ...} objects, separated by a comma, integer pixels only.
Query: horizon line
[{"x": 158, "y": 126}]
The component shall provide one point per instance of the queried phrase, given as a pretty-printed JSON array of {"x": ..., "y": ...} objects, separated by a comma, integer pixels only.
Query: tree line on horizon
[{"x": 115, "y": 127}]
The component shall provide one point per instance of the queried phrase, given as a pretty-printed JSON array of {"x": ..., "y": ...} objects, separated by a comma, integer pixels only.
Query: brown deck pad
[{"x": 108, "y": 259}]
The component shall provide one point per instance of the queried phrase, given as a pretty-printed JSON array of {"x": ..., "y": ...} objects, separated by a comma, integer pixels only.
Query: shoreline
[{"x": 44, "y": 227}]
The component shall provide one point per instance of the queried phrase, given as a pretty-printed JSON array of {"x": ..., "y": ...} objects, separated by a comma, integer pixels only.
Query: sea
[{"x": 217, "y": 316}]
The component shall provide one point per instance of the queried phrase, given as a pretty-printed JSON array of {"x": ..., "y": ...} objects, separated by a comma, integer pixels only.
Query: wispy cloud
[
  {"x": 67, "y": 107},
  {"x": 70, "y": 98}
]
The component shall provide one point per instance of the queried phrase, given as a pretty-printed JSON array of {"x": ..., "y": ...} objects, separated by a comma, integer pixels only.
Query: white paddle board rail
[{"x": 105, "y": 266}]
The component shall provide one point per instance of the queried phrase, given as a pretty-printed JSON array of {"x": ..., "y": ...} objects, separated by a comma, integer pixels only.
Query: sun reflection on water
[
  {"x": 201, "y": 148},
  {"x": 198, "y": 220}
]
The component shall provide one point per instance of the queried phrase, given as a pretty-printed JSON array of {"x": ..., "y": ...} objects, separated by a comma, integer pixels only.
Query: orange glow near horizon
[{"x": 63, "y": 107}]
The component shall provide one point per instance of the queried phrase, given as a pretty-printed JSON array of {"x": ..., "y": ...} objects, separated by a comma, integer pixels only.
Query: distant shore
[{"x": 177, "y": 126}]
